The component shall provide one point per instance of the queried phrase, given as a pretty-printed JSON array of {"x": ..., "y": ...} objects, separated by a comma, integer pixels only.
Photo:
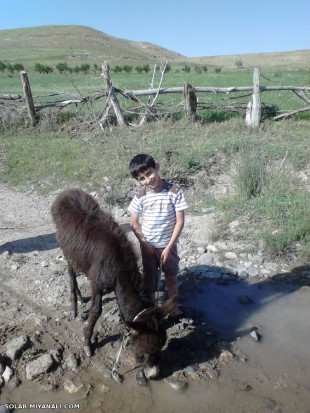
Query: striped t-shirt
[{"x": 159, "y": 212}]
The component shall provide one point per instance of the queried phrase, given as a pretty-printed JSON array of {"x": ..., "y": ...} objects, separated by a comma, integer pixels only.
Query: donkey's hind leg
[
  {"x": 94, "y": 314},
  {"x": 74, "y": 292}
]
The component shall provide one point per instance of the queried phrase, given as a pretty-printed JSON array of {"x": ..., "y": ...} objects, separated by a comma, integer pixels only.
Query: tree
[
  {"x": 217, "y": 70},
  {"x": 146, "y": 68},
  {"x": 139, "y": 69},
  {"x": 62, "y": 67},
  {"x": 186, "y": 69},
  {"x": 205, "y": 68},
  {"x": 239, "y": 63}
]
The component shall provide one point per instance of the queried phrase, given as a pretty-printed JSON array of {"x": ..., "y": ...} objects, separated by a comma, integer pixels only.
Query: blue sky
[{"x": 189, "y": 27}]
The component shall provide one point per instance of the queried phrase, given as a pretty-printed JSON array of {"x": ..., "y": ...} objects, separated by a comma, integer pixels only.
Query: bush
[
  {"x": 205, "y": 68},
  {"x": 250, "y": 172},
  {"x": 117, "y": 69},
  {"x": 85, "y": 67},
  {"x": 2, "y": 67},
  {"x": 38, "y": 67},
  {"x": 168, "y": 68},
  {"x": 186, "y": 69},
  {"x": 18, "y": 67},
  {"x": 217, "y": 70},
  {"x": 127, "y": 69}
]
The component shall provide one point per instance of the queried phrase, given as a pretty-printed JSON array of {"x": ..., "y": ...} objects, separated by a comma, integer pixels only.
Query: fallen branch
[
  {"x": 293, "y": 112},
  {"x": 10, "y": 97}
]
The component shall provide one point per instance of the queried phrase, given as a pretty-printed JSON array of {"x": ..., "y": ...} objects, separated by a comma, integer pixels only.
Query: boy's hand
[{"x": 165, "y": 254}]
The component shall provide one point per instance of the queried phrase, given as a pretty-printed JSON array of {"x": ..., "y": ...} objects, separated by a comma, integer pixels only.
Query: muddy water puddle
[{"x": 274, "y": 378}]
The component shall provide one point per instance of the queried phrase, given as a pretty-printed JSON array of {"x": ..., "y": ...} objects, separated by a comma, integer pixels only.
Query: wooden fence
[{"x": 189, "y": 104}]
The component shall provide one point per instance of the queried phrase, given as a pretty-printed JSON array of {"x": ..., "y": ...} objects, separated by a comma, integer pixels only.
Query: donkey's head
[{"x": 149, "y": 336}]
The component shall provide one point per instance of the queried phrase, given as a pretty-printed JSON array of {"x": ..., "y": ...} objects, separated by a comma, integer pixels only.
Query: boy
[{"x": 162, "y": 205}]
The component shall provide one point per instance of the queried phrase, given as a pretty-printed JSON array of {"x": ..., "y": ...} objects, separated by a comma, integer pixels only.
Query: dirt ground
[{"x": 34, "y": 302}]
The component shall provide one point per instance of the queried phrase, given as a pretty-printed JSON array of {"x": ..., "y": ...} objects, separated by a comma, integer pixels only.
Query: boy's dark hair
[{"x": 141, "y": 163}]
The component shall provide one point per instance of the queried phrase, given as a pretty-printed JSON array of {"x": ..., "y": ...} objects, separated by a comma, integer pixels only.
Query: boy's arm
[
  {"x": 134, "y": 223},
  {"x": 180, "y": 219},
  {"x": 135, "y": 226}
]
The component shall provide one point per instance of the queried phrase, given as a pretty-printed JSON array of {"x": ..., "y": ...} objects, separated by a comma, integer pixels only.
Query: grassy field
[{"x": 81, "y": 84}]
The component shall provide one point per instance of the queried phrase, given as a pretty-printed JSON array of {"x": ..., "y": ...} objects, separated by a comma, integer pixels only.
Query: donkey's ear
[
  {"x": 167, "y": 307},
  {"x": 135, "y": 326}
]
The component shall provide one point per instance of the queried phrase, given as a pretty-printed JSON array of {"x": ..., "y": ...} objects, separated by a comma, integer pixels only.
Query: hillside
[
  {"x": 56, "y": 43},
  {"x": 294, "y": 59},
  {"x": 75, "y": 44}
]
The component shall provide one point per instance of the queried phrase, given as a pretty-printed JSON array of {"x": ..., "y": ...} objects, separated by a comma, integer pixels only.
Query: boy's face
[{"x": 150, "y": 178}]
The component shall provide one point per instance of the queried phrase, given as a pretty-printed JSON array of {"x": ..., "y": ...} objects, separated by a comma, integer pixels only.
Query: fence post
[
  {"x": 28, "y": 98},
  {"x": 118, "y": 112},
  {"x": 190, "y": 101},
  {"x": 254, "y": 111}
]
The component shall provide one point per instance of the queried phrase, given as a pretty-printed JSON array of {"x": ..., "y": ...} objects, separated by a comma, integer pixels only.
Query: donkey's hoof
[
  {"x": 87, "y": 351},
  {"x": 73, "y": 314}
]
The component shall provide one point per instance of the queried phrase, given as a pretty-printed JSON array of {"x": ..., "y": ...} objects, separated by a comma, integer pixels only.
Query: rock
[
  {"x": 212, "y": 248},
  {"x": 6, "y": 255},
  {"x": 38, "y": 366},
  {"x": 226, "y": 356},
  {"x": 72, "y": 388},
  {"x": 255, "y": 259},
  {"x": 234, "y": 224},
  {"x": 176, "y": 384},
  {"x": 201, "y": 250},
  {"x": 119, "y": 213},
  {"x": 140, "y": 378},
  {"x": 15, "y": 347},
  {"x": 271, "y": 266},
  {"x": 254, "y": 334},
  {"x": 209, "y": 210},
  {"x": 7, "y": 374},
  {"x": 191, "y": 368},
  {"x": 230, "y": 255},
  {"x": 253, "y": 272},
  {"x": 207, "y": 258},
  {"x": 14, "y": 383},
  {"x": 104, "y": 388},
  {"x": 56, "y": 354},
  {"x": 71, "y": 362}
]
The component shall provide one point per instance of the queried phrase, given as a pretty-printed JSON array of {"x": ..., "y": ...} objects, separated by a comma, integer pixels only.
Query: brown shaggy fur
[{"x": 94, "y": 244}]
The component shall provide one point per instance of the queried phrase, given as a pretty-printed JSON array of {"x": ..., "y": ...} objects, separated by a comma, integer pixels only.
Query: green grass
[
  {"x": 81, "y": 85},
  {"x": 67, "y": 148}
]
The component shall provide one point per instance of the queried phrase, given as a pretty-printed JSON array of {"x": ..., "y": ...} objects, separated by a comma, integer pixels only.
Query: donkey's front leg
[
  {"x": 94, "y": 314},
  {"x": 74, "y": 292}
]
